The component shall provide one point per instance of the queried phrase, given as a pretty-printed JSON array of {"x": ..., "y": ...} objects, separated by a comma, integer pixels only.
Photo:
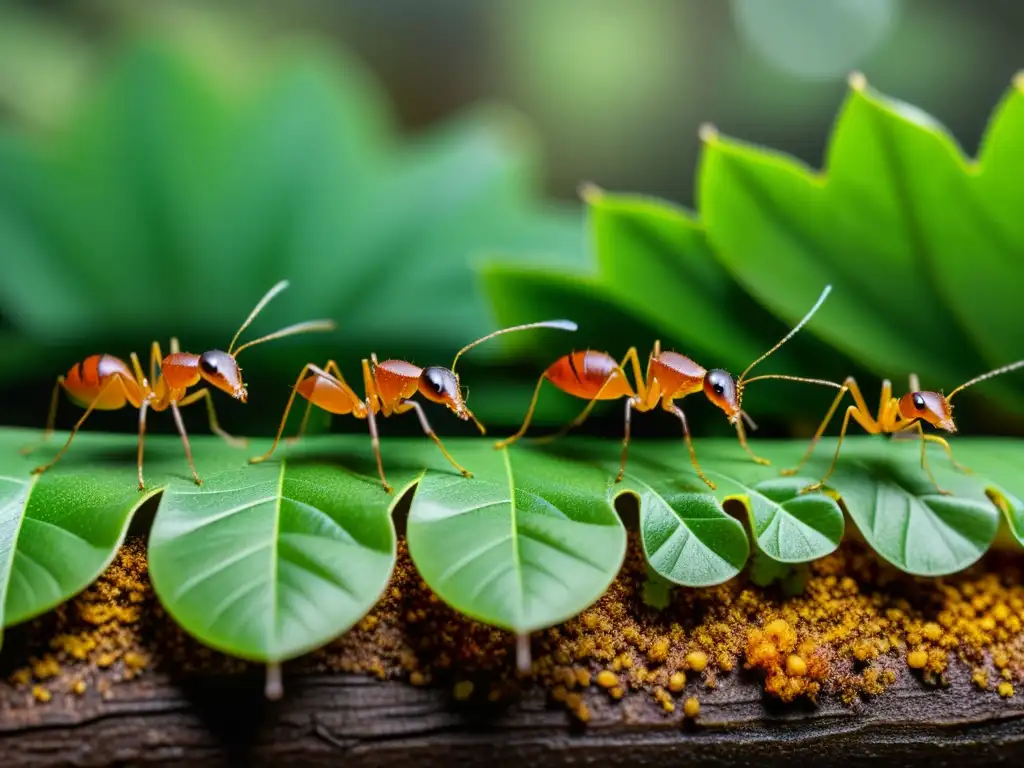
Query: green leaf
[
  {"x": 269, "y": 561},
  {"x": 999, "y": 462},
  {"x": 61, "y": 529},
  {"x": 899, "y": 511},
  {"x": 788, "y": 527},
  {"x": 525, "y": 544},
  {"x": 888, "y": 225},
  {"x": 687, "y": 537}
]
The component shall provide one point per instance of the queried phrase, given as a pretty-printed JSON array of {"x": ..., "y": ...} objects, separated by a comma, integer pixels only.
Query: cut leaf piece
[
  {"x": 269, "y": 561},
  {"x": 525, "y": 544},
  {"x": 899, "y": 511},
  {"x": 61, "y": 529},
  {"x": 788, "y": 527},
  {"x": 687, "y": 537}
]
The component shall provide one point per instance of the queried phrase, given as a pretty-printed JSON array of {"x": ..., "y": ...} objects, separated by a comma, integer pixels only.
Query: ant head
[
  {"x": 720, "y": 388},
  {"x": 440, "y": 385},
  {"x": 932, "y": 407},
  {"x": 222, "y": 371}
]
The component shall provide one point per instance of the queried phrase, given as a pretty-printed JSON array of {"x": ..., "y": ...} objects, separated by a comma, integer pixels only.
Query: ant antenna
[
  {"x": 563, "y": 325},
  {"x": 307, "y": 327},
  {"x": 787, "y": 337},
  {"x": 989, "y": 375},
  {"x": 311, "y": 325},
  {"x": 823, "y": 382},
  {"x": 257, "y": 309}
]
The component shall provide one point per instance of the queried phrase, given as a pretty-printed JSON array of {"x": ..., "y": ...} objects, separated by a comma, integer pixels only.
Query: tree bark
[{"x": 357, "y": 721}]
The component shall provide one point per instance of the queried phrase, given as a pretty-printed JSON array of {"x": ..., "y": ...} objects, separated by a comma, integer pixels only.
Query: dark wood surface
[{"x": 357, "y": 721}]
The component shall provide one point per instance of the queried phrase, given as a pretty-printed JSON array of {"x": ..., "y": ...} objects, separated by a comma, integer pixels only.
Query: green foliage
[
  {"x": 519, "y": 546},
  {"x": 269, "y": 561},
  {"x": 918, "y": 241},
  {"x": 168, "y": 201},
  {"x": 248, "y": 562}
]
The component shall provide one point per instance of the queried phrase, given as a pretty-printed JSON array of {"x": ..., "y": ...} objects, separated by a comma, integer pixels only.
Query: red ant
[
  {"x": 594, "y": 376},
  {"x": 896, "y": 417},
  {"x": 106, "y": 383},
  {"x": 389, "y": 387}
]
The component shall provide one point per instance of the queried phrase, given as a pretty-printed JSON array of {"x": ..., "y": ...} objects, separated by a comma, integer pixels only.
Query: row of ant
[{"x": 105, "y": 382}]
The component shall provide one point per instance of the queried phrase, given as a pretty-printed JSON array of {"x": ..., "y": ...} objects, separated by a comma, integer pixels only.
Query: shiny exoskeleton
[
  {"x": 594, "y": 376},
  {"x": 897, "y": 416},
  {"x": 107, "y": 383},
  {"x": 389, "y": 387}
]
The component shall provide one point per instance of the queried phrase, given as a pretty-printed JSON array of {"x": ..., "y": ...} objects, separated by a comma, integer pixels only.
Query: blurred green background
[{"x": 163, "y": 164}]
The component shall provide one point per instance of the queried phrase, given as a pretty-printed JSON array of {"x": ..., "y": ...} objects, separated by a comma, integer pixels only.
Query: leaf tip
[
  {"x": 707, "y": 133},
  {"x": 590, "y": 193},
  {"x": 857, "y": 81},
  {"x": 1018, "y": 81}
]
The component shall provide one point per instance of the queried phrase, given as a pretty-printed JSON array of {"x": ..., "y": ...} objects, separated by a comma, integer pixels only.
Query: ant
[
  {"x": 594, "y": 376},
  {"x": 389, "y": 387},
  {"x": 896, "y": 417},
  {"x": 106, "y": 383}
]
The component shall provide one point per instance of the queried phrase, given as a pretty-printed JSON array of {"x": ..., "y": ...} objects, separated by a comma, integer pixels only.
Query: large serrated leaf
[
  {"x": 894, "y": 208},
  {"x": 525, "y": 544}
]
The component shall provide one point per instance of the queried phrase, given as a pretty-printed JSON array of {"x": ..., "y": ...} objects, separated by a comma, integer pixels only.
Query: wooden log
[{"x": 349, "y": 720}]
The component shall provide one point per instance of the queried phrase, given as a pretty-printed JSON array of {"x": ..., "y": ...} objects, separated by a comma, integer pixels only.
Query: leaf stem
[
  {"x": 524, "y": 658},
  {"x": 274, "y": 689}
]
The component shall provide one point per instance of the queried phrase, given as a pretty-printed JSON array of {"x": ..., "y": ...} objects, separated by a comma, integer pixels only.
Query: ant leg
[
  {"x": 430, "y": 433},
  {"x": 924, "y": 459},
  {"x": 675, "y": 409},
  {"x": 949, "y": 453},
  {"x": 851, "y": 411},
  {"x": 284, "y": 417},
  {"x": 741, "y": 435},
  {"x": 371, "y": 420},
  {"x": 142, "y": 439},
  {"x": 302, "y": 425},
  {"x": 915, "y": 383},
  {"x": 620, "y": 370},
  {"x": 115, "y": 379},
  {"x": 526, "y": 422},
  {"x": 156, "y": 357},
  {"x": 51, "y": 419},
  {"x": 625, "y": 438},
  {"x": 331, "y": 368},
  {"x": 175, "y": 347},
  {"x": 817, "y": 435},
  {"x": 234, "y": 442},
  {"x": 184, "y": 439}
]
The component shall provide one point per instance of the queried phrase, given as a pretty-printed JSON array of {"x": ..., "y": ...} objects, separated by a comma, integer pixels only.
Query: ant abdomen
[{"x": 583, "y": 374}]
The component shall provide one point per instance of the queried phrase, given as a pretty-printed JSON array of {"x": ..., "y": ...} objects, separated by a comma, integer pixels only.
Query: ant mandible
[
  {"x": 594, "y": 376},
  {"x": 389, "y": 387},
  {"x": 106, "y": 383},
  {"x": 897, "y": 416}
]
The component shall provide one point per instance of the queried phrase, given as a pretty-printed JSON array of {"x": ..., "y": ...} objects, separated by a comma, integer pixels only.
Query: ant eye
[
  {"x": 436, "y": 381},
  {"x": 718, "y": 389},
  {"x": 207, "y": 364},
  {"x": 918, "y": 401}
]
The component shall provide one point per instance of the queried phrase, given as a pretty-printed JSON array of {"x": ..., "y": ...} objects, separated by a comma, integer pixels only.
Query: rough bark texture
[{"x": 356, "y": 721}]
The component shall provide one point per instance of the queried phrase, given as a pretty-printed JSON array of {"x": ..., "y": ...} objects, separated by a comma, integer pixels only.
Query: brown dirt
[{"x": 846, "y": 635}]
